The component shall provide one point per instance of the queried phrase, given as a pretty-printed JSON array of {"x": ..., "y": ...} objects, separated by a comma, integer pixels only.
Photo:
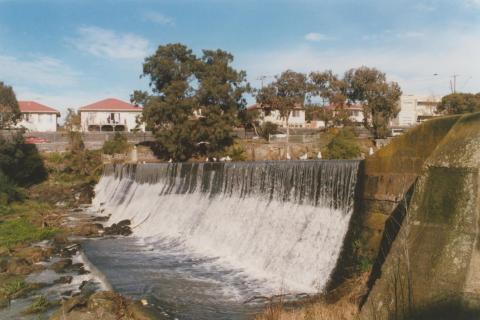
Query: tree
[
  {"x": 118, "y": 144},
  {"x": 72, "y": 120},
  {"x": 329, "y": 87},
  {"x": 194, "y": 101},
  {"x": 249, "y": 119},
  {"x": 369, "y": 87},
  {"x": 9, "y": 110},
  {"x": 457, "y": 103},
  {"x": 287, "y": 92}
]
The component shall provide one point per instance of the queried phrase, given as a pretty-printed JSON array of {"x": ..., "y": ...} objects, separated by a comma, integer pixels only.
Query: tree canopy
[
  {"x": 287, "y": 92},
  {"x": 9, "y": 110},
  {"x": 194, "y": 101},
  {"x": 457, "y": 103},
  {"x": 379, "y": 98}
]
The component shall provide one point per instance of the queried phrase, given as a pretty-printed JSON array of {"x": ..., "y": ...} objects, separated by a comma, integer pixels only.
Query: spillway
[{"x": 279, "y": 221}]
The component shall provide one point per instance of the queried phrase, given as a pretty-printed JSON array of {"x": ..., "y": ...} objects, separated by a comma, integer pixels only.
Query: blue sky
[{"x": 68, "y": 53}]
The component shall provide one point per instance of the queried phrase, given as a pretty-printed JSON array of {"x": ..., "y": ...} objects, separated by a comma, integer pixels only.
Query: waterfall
[{"x": 281, "y": 221}]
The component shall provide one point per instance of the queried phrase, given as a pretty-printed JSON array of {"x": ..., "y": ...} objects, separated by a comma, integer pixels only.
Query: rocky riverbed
[{"x": 52, "y": 279}]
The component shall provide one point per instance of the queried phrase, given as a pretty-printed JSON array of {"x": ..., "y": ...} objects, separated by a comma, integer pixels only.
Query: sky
[{"x": 67, "y": 53}]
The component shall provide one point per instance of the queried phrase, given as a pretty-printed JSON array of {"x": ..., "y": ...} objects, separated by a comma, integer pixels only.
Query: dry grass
[{"x": 340, "y": 304}]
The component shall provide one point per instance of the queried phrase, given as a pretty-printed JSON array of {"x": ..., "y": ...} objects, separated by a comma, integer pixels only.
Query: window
[
  {"x": 26, "y": 117},
  {"x": 296, "y": 113}
]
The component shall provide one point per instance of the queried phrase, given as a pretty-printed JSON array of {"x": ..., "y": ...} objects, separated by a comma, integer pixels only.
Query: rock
[
  {"x": 106, "y": 301},
  {"x": 18, "y": 266},
  {"x": 121, "y": 228},
  {"x": 101, "y": 219},
  {"x": 139, "y": 312},
  {"x": 61, "y": 265},
  {"x": 88, "y": 229},
  {"x": 123, "y": 223},
  {"x": 33, "y": 254},
  {"x": 64, "y": 279}
]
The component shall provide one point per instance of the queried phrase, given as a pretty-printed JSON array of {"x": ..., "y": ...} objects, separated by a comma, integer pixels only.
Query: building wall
[
  {"x": 40, "y": 122},
  {"x": 413, "y": 108},
  {"x": 104, "y": 118},
  {"x": 296, "y": 119}
]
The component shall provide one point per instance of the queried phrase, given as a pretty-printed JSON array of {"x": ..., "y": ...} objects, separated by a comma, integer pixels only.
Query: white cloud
[
  {"x": 159, "y": 18},
  {"x": 110, "y": 44},
  {"x": 41, "y": 71},
  {"x": 315, "y": 37},
  {"x": 473, "y": 3},
  {"x": 410, "y": 64}
]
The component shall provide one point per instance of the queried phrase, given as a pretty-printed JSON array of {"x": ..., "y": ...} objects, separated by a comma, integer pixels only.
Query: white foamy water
[{"x": 280, "y": 222}]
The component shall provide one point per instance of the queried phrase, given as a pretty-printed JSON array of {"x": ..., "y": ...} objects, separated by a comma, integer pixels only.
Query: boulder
[
  {"x": 61, "y": 265},
  {"x": 121, "y": 228},
  {"x": 18, "y": 266},
  {"x": 88, "y": 229}
]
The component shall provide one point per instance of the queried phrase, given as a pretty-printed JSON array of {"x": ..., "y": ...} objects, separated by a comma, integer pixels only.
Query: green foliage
[
  {"x": 118, "y": 144},
  {"x": 195, "y": 101},
  {"x": 40, "y": 304},
  {"x": 344, "y": 145},
  {"x": 287, "y": 92},
  {"x": 369, "y": 87},
  {"x": 267, "y": 129},
  {"x": 80, "y": 160},
  {"x": 9, "y": 110},
  {"x": 9, "y": 191},
  {"x": 13, "y": 232},
  {"x": 236, "y": 152},
  {"x": 21, "y": 162},
  {"x": 457, "y": 103}
]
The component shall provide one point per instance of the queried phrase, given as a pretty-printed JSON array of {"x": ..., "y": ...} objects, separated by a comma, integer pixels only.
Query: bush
[
  {"x": 9, "y": 192},
  {"x": 344, "y": 145},
  {"x": 21, "y": 163},
  {"x": 118, "y": 144},
  {"x": 267, "y": 129},
  {"x": 236, "y": 152}
]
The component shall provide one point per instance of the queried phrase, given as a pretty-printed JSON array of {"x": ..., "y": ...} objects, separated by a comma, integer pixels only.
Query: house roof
[
  {"x": 35, "y": 107},
  {"x": 110, "y": 104}
]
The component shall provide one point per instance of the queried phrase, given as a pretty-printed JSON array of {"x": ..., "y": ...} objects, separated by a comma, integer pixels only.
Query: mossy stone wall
[{"x": 433, "y": 265}]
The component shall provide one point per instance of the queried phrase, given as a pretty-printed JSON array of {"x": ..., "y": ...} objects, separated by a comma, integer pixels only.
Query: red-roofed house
[
  {"x": 110, "y": 115},
  {"x": 37, "y": 117}
]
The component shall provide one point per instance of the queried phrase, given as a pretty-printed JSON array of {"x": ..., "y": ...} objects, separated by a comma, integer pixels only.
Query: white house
[
  {"x": 37, "y": 117},
  {"x": 415, "y": 109},
  {"x": 295, "y": 120},
  {"x": 111, "y": 115}
]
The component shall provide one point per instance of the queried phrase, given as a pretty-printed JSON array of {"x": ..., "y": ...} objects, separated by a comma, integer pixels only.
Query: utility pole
[
  {"x": 262, "y": 78},
  {"x": 454, "y": 88}
]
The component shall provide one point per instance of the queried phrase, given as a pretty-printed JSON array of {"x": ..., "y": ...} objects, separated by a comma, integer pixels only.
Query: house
[
  {"x": 295, "y": 120},
  {"x": 415, "y": 109},
  {"x": 111, "y": 115},
  {"x": 37, "y": 117}
]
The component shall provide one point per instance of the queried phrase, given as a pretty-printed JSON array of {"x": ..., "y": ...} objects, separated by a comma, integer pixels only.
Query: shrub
[
  {"x": 118, "y": 144},
  {"x": 344, "y": 145},
  {"x": 9, "y": 192},
  {"x": 21, "y": 163},
  {"x": 236, "y": 152},
  {"x": 267, "y": 129}
]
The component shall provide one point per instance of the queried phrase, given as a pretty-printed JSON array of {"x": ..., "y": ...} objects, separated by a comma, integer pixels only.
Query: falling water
[{"x": 280, "y": 221}]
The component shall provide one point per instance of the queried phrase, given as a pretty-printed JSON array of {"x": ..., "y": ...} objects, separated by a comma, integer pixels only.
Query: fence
[
  {"x": 58, "y": 141},
  {"x": 295, "y": 138}
]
